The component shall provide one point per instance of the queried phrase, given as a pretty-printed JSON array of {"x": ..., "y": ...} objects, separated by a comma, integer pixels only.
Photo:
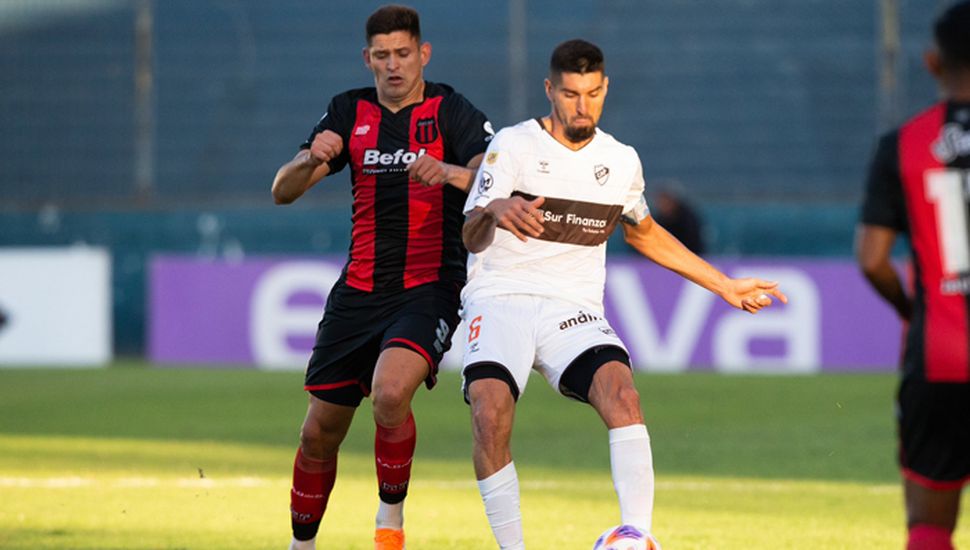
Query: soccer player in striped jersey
[
  {"x": 548, "y": 194},
  {"x": 412, "y": 146},
  {"x": 919, "y": 185}
]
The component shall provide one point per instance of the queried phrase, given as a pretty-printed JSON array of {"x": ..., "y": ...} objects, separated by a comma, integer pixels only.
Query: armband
[{"x": 638, "y": 213}]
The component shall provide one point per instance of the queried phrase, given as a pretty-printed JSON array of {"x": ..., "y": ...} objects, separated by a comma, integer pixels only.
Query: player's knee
[
  {"x": 311, "y": 440},
  {"x": 628, "y": 397},
  {"x": 318, "y": 440},
  {"x": 622, "y": 408},
  {"x": 484, "y": 418},
  {"x": 390, "y": 402},
  {"x": 489, "y": 418}
]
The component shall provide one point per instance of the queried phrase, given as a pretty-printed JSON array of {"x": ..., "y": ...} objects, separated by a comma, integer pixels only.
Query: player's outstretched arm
[
  {"x": 308, "y": 167},
  {"x": 516, "y": 215},
  {"x": 656, "y": 243},
  {"x": 429, "y": 171},
  {"x": 873, "y": 248}
]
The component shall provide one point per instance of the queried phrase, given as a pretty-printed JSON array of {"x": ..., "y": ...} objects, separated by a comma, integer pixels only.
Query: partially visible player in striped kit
[
  {"x": 411, "y": 146},
  {"x": 919, "y": 185}
]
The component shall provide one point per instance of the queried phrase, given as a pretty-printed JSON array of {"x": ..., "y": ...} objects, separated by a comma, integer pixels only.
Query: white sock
[
  {"x": 500, "y": 493},
  {"x": 390, "y": 516},
  {"x": 303, "y": 544},
  {"x": 631, "y": 462}
]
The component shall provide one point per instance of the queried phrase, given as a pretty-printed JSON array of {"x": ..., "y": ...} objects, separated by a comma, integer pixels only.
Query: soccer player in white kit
[{"x": 556, "y": 187}]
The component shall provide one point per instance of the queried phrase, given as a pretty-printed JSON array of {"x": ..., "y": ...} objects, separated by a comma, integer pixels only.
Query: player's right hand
[
  {"x": 518, "y": 216},
  {"x": 326, "y": 146}
]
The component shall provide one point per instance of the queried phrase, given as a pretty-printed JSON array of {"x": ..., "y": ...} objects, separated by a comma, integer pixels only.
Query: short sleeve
[
  {"x": 497, "y": 174},
  {"x": 338, "y": 118},
  {"x": 467, "y": 130},
  {"x": 883, "y": 203},
  {"x": 635, "y": 207}
]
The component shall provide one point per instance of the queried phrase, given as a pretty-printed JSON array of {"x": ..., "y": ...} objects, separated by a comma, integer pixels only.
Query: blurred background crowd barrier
[{"x": 152, "y": 128}]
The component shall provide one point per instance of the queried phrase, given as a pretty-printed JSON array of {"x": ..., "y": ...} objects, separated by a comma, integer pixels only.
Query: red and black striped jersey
[
  {"x": 404, "y": 234},
  {"x": 919, "y": 184}
]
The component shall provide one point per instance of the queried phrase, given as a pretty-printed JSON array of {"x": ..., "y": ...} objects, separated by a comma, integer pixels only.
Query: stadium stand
[{"x": 764, "y": 110}]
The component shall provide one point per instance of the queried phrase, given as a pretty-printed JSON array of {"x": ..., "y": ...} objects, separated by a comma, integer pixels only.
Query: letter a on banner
[{"x": 797, "y": 324}]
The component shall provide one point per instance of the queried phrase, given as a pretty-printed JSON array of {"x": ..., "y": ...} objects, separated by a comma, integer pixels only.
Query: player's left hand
[
  {"x": 428, "y": 171},
  {"x": 752, "y": 295}
]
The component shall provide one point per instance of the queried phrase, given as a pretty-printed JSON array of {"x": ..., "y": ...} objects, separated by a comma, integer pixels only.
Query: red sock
[
  {"x": 393, "y": 451},
  {"x": 924, "y": 536},
  {"x": 312, "y": 483}
]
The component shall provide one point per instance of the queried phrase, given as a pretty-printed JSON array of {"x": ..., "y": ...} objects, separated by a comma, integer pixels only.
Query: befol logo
[{"x": 375, "y": 157}]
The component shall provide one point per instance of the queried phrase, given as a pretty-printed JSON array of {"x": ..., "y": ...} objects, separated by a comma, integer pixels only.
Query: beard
[
  {"x": 579, "y": 134},
  {"x": 575, "y": 134}
]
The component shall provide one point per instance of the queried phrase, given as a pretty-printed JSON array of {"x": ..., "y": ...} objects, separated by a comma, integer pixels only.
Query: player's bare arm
[
  {"x": 657, "y": 244},
  {"x": 516, "y": 215},
  {"x": 873, "y": 252},
  {"x": 430, "y": 171},
  {"x": 308, "y": 167}
]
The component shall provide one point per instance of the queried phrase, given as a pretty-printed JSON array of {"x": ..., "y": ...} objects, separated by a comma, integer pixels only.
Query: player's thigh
[
  {"x": 348, "y": 343},
  {"x": 934, "y": 433},
  {"x": 418, "y": 335},
  {"x": 573, "y": 343},
  {"x": 500, "y": 343}
]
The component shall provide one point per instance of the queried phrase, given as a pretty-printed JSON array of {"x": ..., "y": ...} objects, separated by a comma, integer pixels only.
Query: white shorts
[{"x": 522, "y": 332}]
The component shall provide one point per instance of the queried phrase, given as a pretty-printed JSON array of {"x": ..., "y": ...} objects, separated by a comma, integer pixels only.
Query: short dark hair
[
  {"x": 952, "y": 34},
  {"x": 575, "y": 56},
  {"x": 394, "y": 17}
]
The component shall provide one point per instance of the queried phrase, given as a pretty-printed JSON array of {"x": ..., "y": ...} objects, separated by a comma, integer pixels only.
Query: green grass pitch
[{"x": 138, "y": 458}]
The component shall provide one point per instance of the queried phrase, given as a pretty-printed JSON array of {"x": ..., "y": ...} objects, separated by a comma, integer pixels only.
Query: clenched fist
[
  {"x": 428, "y": 171},
  {"x": 326, "y": 146}
]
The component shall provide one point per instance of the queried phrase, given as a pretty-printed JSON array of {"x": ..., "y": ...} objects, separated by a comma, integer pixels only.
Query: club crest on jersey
[
  {"x": 953, "y": 142},
  {"x": 602, "y": 174},
  {"x": 426, "y": 130},
  {"x": 485, "y": 182},
  {"x": 491, "y": 158}
]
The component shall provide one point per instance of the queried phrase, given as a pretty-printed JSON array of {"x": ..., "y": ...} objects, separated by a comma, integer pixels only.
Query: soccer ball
[{"x": 626, "y": 537}]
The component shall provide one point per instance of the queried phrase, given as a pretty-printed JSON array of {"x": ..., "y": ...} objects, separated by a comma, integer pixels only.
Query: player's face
[
  {"x": 397, "y": 60},
  {"x": 577, "y": 103}
]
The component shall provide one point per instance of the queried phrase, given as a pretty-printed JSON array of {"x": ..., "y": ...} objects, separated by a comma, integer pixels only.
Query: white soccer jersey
[{"x": 586, "y": 193}]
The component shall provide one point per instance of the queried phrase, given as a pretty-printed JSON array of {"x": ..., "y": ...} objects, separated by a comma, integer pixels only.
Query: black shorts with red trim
[
  {"x": 357, "y": 326},
  {"x": 934, "y": 433}
]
